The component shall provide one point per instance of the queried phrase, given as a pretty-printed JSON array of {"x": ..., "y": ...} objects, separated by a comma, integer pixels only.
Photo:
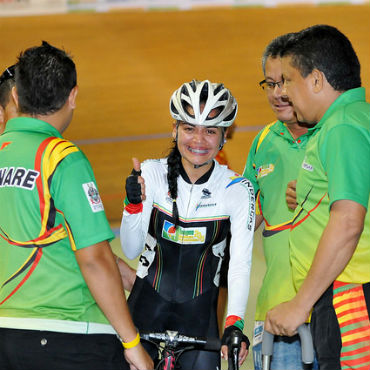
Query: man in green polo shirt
[
  {"x": 273, "y": 160},
  {"x": 61, "y": 298},
  {"x": 330, "y": 235}
]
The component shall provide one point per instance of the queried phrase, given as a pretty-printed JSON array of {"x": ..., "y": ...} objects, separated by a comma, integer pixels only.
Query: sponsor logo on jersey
[
  {"x": 248, "y": 185},
  {"x": 5, "y": 144},
  {"x": 235, "y": 180},
  {"x": 183, "y": 235},
  {"x": 206, "y": 194},
  {"x": 206, "y": 205},
  {"x": 93, "y": 196},
  {"x": 307, "y": 166},
  {"x": 18, "y": 177},
  {"x": 264, "y": 170}
]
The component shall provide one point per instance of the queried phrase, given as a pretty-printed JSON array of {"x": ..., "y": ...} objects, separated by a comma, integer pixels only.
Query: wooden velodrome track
[{"x": 129, "y": 63}]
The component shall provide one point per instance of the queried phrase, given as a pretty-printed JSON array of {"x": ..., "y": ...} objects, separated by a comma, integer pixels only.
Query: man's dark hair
[
  {"x": 325, "y": 48},
  {"x": 5, "y": 91},
  {"x": 7, "y": 81},
  {"x": 44, "y": 77},
  {"x": 274, "y": 48}
]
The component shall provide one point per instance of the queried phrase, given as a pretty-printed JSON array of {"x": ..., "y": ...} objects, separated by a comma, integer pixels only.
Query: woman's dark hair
[{"x": 174, "y": 165}]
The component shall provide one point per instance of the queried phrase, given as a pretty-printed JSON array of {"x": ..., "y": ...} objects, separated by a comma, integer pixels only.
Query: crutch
[{"x": 306, "y": 344}]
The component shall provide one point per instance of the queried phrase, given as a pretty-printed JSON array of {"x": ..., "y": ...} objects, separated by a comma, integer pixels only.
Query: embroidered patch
[
  {"x": 93, "y": 197},
  {"x": 265, "y": 170}
]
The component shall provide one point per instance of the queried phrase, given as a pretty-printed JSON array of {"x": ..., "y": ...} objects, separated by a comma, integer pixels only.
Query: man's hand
[
  {"x": 291, "y": 194},
  {"x": 285, "y": 318},
  {"x": 140, "y": 357},
  {"x": 128, "y": 274}
]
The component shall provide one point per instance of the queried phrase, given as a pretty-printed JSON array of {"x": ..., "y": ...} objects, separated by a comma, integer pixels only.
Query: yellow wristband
[{"x": 133, "y": 343}]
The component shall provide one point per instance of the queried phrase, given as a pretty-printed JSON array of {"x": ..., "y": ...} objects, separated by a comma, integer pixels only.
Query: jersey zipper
[{"x": 182, "y": 237}]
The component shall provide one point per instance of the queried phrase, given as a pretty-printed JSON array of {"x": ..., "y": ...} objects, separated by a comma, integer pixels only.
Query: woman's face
[{"x": 197, "y": 145}]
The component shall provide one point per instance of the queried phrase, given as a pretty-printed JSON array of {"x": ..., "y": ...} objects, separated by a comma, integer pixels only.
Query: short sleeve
[
  {"x": 249, "y": 169},
  {"x": 75, "y": 194},
  {"x": 250, "y": 173},
  {"x": 345, "y": 156}
]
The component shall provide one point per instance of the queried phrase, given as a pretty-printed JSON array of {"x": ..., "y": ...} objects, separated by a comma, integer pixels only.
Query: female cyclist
[{"x": 181, "y": 209}]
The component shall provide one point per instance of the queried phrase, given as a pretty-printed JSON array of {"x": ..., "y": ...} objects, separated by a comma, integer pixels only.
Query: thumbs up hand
[
  {"x": 135, "y": 184},
  {"x": 136, "y": 167}
]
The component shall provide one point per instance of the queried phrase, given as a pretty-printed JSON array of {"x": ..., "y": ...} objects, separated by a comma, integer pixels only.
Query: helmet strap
[
  {"x": 203, "y": 164},
  {"x": 223, "y": 139}
]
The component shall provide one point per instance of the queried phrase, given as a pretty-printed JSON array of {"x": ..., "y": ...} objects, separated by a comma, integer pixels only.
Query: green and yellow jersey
[
  {"x": 50, "y": 207},
  {"x": 274, "y": 160},
  {"x": 335, "y": 167}
]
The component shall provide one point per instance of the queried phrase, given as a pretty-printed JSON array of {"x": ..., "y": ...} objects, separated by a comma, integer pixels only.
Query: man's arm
[
  {"x": 258, "y": 222},
  {"x": 336, "y": 247},
  {"x": 128, "y": 274},
  {"x": 101, "y": 274}
]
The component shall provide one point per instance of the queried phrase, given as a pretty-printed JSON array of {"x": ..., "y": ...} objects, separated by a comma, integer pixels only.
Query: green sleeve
[
  {"x": 345, "y": 155},
  {"x": 76, "y": 195},
  {"x": 249, "y": 170}
]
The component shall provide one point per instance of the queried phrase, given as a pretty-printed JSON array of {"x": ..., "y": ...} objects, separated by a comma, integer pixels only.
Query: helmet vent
[
  {"x": 184, "y": 91},
  {"x": 204, "y": 93},
  {"x": 193, "y": 86},
  {"x": 218, "y": 89},
  {"x": 218, "y": 112},
  {"x": 231, "y": 116},
  {"x": 203, "y": 103},
  {"x": 173, "y": 108},
  {"x": 224, "y": 96}
]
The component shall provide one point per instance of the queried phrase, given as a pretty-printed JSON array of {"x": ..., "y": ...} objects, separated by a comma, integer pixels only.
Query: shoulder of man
[{"x": 261, "y": 136}]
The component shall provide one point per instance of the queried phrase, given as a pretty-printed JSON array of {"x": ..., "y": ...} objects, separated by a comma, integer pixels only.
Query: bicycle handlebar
[
  {"x": 236, "y": 337},
  {"x": 173, "y": 339}
]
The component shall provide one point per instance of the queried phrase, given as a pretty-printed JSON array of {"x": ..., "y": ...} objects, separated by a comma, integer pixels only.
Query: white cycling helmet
[{"x": 213, "y": 95}]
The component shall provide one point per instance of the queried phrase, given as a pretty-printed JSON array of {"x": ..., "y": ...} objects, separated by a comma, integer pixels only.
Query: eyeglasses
[
  {"x": 270, "y": 85},
  {"x": 8, "y": 74}
]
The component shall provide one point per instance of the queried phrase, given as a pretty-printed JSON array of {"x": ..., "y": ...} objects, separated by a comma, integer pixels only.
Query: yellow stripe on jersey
[
  {"x": 264, "y": 133},
  {"x": 54, "y": 153}
]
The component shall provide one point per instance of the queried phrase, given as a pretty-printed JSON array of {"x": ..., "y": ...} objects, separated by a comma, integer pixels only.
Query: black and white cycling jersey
[{"x": 183, "y": 263}]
